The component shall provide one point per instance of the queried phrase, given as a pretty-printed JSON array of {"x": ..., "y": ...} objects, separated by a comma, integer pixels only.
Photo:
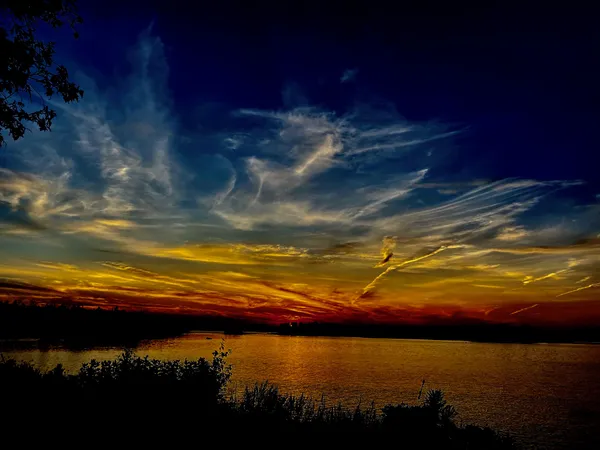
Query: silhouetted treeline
[
  {"x": 76, "y": 325},
  {"x": 478, "y": 332},
  {"x": 167, "y": 398}
]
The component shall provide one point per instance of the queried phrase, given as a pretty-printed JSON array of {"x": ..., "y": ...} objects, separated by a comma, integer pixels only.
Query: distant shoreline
[
  {"x": 75, "y": 326},
  {"x": 12, "y": 344},
  {"x": 441, "y": 339}
]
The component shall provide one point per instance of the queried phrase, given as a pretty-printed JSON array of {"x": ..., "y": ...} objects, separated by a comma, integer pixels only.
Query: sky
[{"x": 299, "y": 165}]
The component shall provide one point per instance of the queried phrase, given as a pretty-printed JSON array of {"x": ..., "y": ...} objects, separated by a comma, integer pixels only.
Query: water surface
[{"x": 545, "y": 395}]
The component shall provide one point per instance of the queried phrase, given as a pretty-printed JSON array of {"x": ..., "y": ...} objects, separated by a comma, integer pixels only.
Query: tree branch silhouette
[{"x": 28, "y": 64}]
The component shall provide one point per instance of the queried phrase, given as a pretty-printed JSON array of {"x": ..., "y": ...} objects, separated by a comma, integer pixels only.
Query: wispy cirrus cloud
[
  {"x": 106, "y": 161},
  {"x": 348, "y": 75},
  {"x": 287, "y": 178}
]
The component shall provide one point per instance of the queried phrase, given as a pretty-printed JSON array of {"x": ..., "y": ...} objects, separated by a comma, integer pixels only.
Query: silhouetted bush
[{"x": 156, "y": 395}]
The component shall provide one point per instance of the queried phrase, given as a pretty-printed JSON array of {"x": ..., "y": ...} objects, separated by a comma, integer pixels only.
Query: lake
[{"x": 546, "y": 395}]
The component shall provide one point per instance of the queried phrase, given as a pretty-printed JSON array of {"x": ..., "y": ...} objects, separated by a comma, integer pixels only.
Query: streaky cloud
[
  {"x": 519, "y": 311},
  {"x": 369, "y": 287},
  {"x": 582, "y": 288}
]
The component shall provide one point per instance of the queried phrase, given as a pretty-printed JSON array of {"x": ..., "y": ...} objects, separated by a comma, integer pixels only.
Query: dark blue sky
[
  {"x": 308, "y": 161},
  {"x": 523, "y": 82}
]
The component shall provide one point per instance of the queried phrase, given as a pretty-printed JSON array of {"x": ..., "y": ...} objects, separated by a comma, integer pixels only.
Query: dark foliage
[
  {"x": 172, "y": 396},
  {"x": 28, "y": 73},
  {"x": 127, "y": 390},
  {"x": 75, "y": 326}
]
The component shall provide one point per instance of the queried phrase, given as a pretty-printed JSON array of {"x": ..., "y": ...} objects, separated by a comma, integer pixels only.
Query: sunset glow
[{"x": 294, "y": 214}]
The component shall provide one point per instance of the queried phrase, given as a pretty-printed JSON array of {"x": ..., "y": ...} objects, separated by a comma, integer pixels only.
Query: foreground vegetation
[{"x": 159, "y": 395}]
